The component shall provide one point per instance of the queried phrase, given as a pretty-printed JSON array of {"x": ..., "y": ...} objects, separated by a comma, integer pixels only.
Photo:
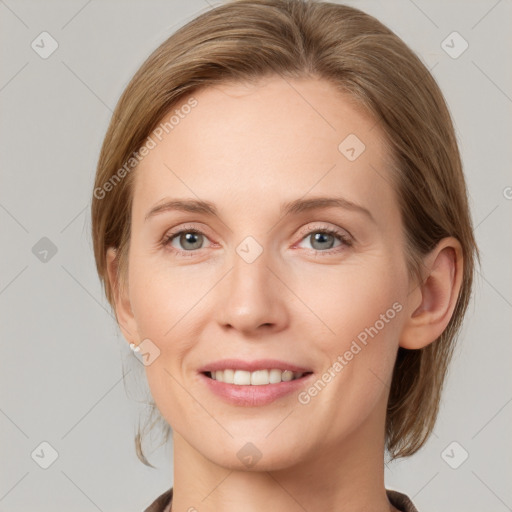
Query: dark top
[{"x": 397, "y": 499}]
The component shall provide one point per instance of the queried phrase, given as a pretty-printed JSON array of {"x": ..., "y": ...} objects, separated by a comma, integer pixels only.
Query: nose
[{"x": 252, "y": 298}]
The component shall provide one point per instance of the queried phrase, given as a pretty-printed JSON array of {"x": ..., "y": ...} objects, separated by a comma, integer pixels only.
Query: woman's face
[{"x": 262, "y": 279}]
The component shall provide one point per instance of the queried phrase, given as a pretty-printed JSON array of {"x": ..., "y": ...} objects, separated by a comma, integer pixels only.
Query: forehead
[{"x": 271, "y": 141}]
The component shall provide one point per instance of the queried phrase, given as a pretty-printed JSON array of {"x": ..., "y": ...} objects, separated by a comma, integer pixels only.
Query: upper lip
[{"x": 252, "y": 366}]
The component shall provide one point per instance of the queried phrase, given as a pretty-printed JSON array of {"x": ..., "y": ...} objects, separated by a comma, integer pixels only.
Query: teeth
[{"x": 257, "y": 378}]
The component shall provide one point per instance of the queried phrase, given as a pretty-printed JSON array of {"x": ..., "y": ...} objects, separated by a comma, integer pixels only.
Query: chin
[{"x": 251, "y": 454}]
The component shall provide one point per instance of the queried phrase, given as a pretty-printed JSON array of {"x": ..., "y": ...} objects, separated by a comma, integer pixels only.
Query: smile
[
  {"x": 246, "y": 392},
  {"x": 256, "y": 378}
]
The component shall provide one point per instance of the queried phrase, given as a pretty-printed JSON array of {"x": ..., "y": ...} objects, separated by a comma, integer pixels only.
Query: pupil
[
  {"x": 320, "y": 237},
  {"x": 189, "y": 238}
]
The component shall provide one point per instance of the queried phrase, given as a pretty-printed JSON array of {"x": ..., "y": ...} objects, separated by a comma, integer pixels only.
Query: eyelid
[
  {"x": 193, "y": 227},
  {"x": 343, "y": 235}
]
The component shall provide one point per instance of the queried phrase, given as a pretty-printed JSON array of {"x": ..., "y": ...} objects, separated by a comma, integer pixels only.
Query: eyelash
[{"x": 344, "y": 239}]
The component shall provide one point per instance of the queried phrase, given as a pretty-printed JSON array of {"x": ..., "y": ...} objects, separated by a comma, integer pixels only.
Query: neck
[{"x": 342, "y": 478}]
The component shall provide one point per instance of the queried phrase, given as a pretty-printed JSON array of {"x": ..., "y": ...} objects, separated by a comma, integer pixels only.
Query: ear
[
  {"x": 124, "y": 313},
  {"x": 433, "y": 300}
]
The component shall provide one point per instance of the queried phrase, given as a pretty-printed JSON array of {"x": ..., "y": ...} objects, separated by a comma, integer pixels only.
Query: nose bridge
[{"x": 250, "y": 295}]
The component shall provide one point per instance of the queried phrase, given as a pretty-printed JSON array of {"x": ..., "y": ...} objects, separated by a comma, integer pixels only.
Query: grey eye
[
  {"x": 324, "y": 240},
  {"x": 190, "y": 240}
]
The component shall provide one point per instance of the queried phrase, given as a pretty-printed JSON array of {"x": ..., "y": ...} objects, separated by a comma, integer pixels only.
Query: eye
[
  {"x": 185, "y": 240},
  {"x": 323, "y": 239}
]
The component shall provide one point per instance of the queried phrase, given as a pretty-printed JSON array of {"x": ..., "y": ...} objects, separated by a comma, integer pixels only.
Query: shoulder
[
  {"x": 401, "y": 501},
  {"x": 397, "y": 499},
  {"x": 161, "y": 503}
]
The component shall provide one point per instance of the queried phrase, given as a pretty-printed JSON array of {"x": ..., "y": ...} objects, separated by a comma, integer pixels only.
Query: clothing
[{"x": 397, "y": 499}]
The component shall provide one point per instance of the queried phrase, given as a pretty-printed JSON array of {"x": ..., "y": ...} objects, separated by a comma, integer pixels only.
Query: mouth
[
  {"x": 255, "y": 378},
  {"x": 254, "y": 383},
  {"x": 259, "y": 387}
]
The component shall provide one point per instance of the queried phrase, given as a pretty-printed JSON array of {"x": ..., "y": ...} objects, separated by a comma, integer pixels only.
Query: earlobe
[
  {"x": 123, "y": 310},
  {"x": 438, "y": 293}
]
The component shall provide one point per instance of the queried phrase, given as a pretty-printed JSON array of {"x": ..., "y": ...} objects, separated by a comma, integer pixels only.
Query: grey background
[{"x": 61, "y": 353}]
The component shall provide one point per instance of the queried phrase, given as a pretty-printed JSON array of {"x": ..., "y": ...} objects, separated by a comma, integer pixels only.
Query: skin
[{"x": 248, "y": 149}]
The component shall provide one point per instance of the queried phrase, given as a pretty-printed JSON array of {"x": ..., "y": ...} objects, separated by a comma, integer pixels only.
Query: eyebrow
[{"x": 293, "y": 207}]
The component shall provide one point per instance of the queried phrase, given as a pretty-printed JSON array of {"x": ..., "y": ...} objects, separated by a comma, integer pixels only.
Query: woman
[{"x": 257, "y": 133}]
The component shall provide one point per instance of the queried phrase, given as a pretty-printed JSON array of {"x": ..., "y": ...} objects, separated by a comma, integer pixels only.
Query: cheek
[
  {"x": 363, "y": 308},
  {"x": 349, "y": 299},
  {"x": 163, "y": 296}
]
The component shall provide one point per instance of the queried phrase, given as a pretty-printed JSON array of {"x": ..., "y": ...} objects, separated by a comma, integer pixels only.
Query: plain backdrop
[{"x": 61, "y": 358}]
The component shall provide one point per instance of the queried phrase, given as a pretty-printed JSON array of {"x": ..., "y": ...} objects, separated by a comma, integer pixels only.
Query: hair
[{"x": 247, "y": 40}]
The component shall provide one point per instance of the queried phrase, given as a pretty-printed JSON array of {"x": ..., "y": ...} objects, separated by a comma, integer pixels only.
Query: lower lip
[{"x": 253, "y": 396}]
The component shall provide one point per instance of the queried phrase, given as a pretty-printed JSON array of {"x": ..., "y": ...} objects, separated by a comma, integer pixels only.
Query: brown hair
[{"x": 245, "y": 40}]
